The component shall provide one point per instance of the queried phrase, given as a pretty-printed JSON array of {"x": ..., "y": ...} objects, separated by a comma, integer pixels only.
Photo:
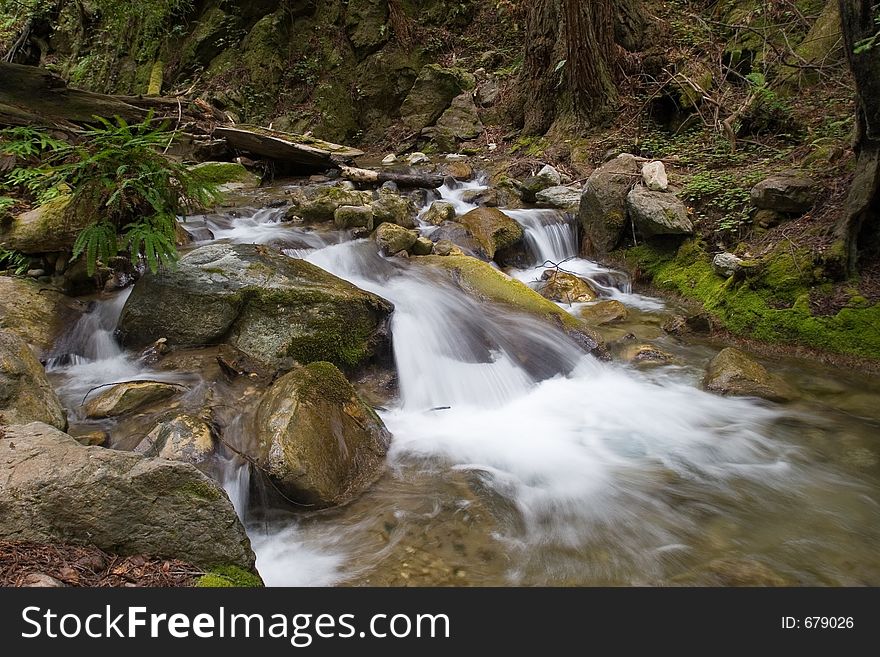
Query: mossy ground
[
  {"x": 770, "y": 302},
  {"x": 229, "y": 577}
]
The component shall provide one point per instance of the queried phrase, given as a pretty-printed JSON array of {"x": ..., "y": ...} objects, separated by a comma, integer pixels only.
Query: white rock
[
  {"x": 391, "y": 158},
  {"x": 456, "y": 157},
  {"x": 726, "y": 264},
  {"x": 551, "y": 175},
  {"x": 654, "y": 174},
  {"x": 492, "y": 146},
  {"x": 417, "y": 158}
]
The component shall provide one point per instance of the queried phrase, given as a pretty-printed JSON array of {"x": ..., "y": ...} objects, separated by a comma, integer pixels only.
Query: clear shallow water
[{"x": 517, "y": 459}]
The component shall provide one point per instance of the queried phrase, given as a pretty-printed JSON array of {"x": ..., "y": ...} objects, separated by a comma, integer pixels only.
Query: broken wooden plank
[{"x": 287, "y": 147}]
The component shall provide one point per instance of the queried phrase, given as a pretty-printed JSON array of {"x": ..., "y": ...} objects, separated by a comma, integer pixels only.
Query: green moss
[
  {"x": 199, "y": 489},
  {"x": 229, "y": 576},
  {"x": 771, "y": 303},
  {"x": 221, "y": 173},
  {"x": 322, "y": 381}
]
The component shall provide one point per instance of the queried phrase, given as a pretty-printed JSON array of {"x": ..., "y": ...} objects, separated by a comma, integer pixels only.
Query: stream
[{"x": 519, "y": 460}]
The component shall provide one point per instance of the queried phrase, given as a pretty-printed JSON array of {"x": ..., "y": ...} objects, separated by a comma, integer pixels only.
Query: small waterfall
[
  {"x": 92, "y": 337},
  {"x": 551, "y": 236}
]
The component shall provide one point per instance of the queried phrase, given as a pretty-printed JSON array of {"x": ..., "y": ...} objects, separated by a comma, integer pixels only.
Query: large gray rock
[
  {"x": 460, "y": 122},
  {"x": 394, "y": 209},
  {"x": 271, "y": 307},
  {"x": 129, "y": 396},
  {"x": 180, "y": 437},
  {"x": 34, "y": 312},
  {"x": 433, "y": 92},
  {"x": 790, "y": 191},
  {"x": 731, "y": 372},
  {"x": 658, "y": 213},
  {"x": 54, "y": 490},
  {"x": 25, "y": 393},
  {"x": 319, "y": 442},
  {"x": 602, "y": 212},
  {"x": 495, "y": 231},
  {"x": 564, "y": 198}
]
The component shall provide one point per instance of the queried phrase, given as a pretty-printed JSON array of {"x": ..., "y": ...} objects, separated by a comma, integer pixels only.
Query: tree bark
[
  {"x": 589, "y": 38},
  {"x": 859, "y": 227},
  {"x": 538, "y": 80}
]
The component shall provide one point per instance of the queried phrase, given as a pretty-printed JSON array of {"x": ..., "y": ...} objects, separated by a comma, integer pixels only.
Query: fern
[
  {"x": 152, "y": 239},
  {"x": 17, "y": 262},
  {"x": 98, "y": 242}
]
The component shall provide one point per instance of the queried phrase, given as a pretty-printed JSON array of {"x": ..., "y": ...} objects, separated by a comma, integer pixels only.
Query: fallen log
[
  {"x": 286, "y": 147},
  {"x": 355, "y": 174}
]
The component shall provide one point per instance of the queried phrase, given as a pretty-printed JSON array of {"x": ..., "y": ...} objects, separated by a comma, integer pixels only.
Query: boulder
[
  {"x": 229, "y": 175},
  {"x": 318, "y": 441},
  {"x": 392, "y": 238},
  {"x": 182, "y": 437},
  {"x": 604, "y": 312},
  {"x": 366, "y": 25},
  {"x": 658, "y": 213},
  {"x": 546, "y": 177},
  {"x": 45, "y": 229},
  {"x": 654, "y": 176},
  {"x": 602, "y": 212},
  {"x": 34, "y": 312},
  {"x": 445, "y": 248},
  {"x": 484, "y": 281},
  {"x": 127, "y": 397},
  {"x": 422, "y": 246},
  {"x": 460, "y": 122},
  {"x": 565, "y": 288},
  {"x": 731, "y": 372},
  {"x": 394, "y": 209},
  {"x": 487, "y": 92},
  {"x": 726, "y": 264},
  {"x": 353, "y": 216},
  {"x": 461, "y": 237},
  {"x": 432, "y": 93},
  {"x": 644, "y": 355},
  {"x": 319, "y": 204},
  {"x": 494, "y": 230},
  {"x": 417, "y": 158},
  {"x": 54, "y": 490},
  {"x": 790, "y": 191},
  {"x": 564, "y": 198},
  {"x": 25, "y": 393},
  {"x": 439, "y": 212},
  {"x": 459, "y": 170},
  {"x": 271, "y": 307}
]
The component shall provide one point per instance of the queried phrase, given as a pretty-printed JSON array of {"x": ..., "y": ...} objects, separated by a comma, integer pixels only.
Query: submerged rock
[
  {"x": 790, "y": 191},
  {"x": 658, "y": 213},
  {"x": 57, "y": 491},
  {"x": 271, "y": 307},
  {"x": 565, "y": 288},
  {"x": 319, "y": 442},
  {"x": 25, "y": 393},
  {"x": 602, "y": 212},
  {"x": 494, "y": 230},
  {"x": 731, "y": 372},
  {"x": 131, "y": 396},
  {"x": 604, "y": 312},
  {"x": 644, "y": 355},
  {"x": 392, "y": 238}
]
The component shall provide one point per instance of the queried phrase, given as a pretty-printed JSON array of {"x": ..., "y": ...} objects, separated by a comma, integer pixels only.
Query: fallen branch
[{"x": 369, "y": 176}]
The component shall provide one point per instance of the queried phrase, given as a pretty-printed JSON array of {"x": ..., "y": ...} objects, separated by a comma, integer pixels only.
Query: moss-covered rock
[
  {"x": 25, "y": 393},
  {"x": 602, "y": 213},
  {"x": 226, "y": 173},
  {"x": 432, "y": 93},
  {"x": 460, "y": 122},
  {"x": 271, "y": 307},
  {"x": 319, "y": 442},
  {"x": 439, "y": 212},
  {"x": 731, "y": 372},
  {"x": 34, "y": 312},
  {"x": 422, "y": 247},
  {"x": 123, "y": 398},
  {"x": 394, "y": 209},
  {"x": 486, "y": 282},
  {"x": 353, "y": 216},
  {"x": 319, "y": 204},
  {"x": 494, "y": 230},
  {"x": 366, "y": 25},
  {"x": 643, "y": 355},
  {"x": 657, "y": 213},
  {"x": 229, "y": 577},
  {"x": 45, "y": 229},
  {"x": 392, "y": 238},
  {"x": 604, "y": 312}
]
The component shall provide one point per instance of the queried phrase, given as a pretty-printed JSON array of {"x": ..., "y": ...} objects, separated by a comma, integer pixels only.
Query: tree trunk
[
  {"x": 538, "y": 80},
  {"x": 859, "y": 227},
  {"x": 589, "y": 39}
]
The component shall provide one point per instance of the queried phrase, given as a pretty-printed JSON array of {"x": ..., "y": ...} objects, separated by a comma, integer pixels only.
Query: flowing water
[{"x": 517, "y": 459}]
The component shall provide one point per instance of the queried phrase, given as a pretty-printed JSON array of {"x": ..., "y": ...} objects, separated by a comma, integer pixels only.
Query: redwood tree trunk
[
  {"x": 538, "y": 84},
  {"x": 589, "y": 38},
  {"x": 859, "y": 227}
]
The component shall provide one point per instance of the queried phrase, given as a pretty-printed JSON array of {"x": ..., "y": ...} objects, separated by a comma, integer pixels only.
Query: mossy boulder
[
  {"x": 565, "y": 288},
  {"x": 790, "y": 191},
  {"x": 731, "y": 372},
  {"x": 365, "y": 25},
  {"x": 48, "y": 228},
  {"x": 547, "y": 177},
  {"x": 393, "y": 208},
  {"x": 126, "y": 397},
  {"x": 229, "y": 174},
  {"x": 422, "y": 246},
  {"x": 484, "y": 281},
  {"x": 604, "y": 312},
  {"x": 602, "y": 213},
  {"x": 319, "y": 204},
  {"x": 439, "y": 212},
  {"x": 392, "y": 238},
  {"x": 497, "y": 233},
  {"x": 25, "y": 393},
  {"x": 229, "y": 577},
  {"x": 180, "y": 437},
  {"x": 657, "y": 213},
  {"x": 432, "y": 93},
  {"x": 460, "y": 122},
  {"x": 34, "y": 312},
  {"x": 353, "y": 216},
  {"x": 319, "y": 442},
  {"x": 58, "y": 491},
  {"x": 273, "y": 308}
]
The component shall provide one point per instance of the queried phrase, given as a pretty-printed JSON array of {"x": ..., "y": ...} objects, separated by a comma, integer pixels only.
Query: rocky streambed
[{"x": 387, "y": 387}]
